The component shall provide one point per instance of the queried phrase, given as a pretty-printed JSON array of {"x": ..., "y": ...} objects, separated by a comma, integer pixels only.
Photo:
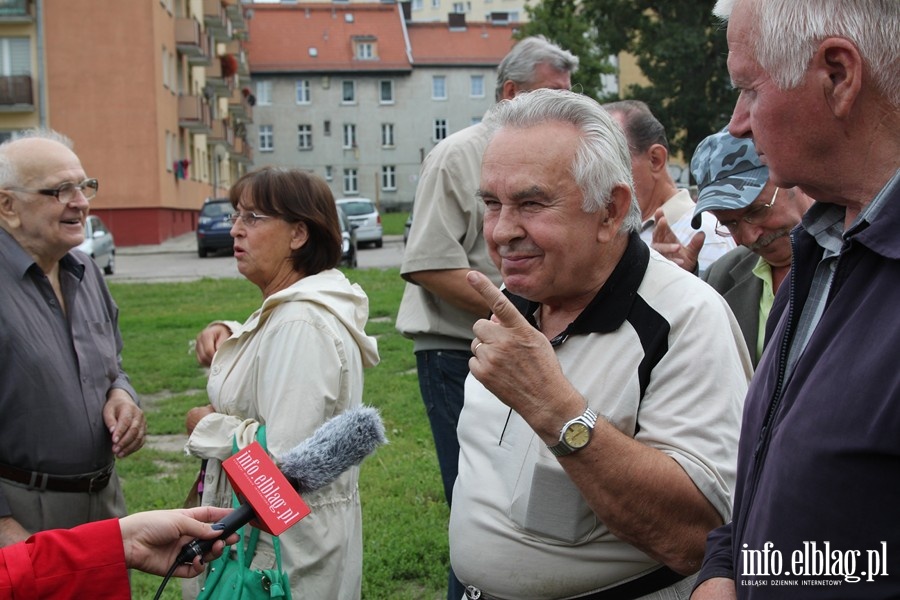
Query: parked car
[
  {"x": 349, "y": 244},
  {"x": 99, "y": 244},
  {"x": 363, "y": 214},
  {"x": 214, "y": 226},
  {"x": 406, "y": 227}
]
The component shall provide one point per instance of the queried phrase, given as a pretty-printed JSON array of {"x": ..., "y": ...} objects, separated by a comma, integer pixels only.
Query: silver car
[
  {"x": 98, "y": 244},
  {"x": 366, "y": 219}
]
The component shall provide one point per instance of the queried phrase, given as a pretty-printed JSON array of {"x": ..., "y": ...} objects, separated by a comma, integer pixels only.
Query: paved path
[{"x": 176, "y": 260}]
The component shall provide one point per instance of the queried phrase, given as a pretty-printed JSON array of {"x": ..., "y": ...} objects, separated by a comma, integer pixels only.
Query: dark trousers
[{"x": 442, "y": 377}]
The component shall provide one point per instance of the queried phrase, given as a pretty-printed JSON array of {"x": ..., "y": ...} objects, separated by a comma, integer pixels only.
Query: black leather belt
[
  {"x": 87, "y": 483},
  {"x": 647, "y": 584}
]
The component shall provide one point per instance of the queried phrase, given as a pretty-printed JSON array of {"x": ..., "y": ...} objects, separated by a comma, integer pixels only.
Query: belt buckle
[
  {"x": 98, "y": 481},
  {"x": 473, "y": 593}
]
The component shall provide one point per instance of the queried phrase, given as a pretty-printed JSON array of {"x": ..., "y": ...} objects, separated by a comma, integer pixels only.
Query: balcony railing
[
  {"x": 221, "y": 84},
  {"x": 242, "y": 152},
  {"x": 15, "y": 10},
  {"x": 16, "y": 90},
  {"x": 235, "y": 12},
  {"x": 193, "y": 114},
  {"x": 216, "y": 21},
  {"x": 191, "y": 42},
  {"x": 221, "y": 134},
  {"x": 239, "y": 104}
]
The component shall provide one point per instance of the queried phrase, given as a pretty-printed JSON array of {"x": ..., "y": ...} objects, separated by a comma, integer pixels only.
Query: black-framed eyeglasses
[
  {"x": 247, "y": 218},
  {"x": 756, "y": 214},
  {"x": 67, "y": 192}
]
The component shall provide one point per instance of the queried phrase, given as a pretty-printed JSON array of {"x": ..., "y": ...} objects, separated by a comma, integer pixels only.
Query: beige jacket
[{"x": 296, "y": 362}]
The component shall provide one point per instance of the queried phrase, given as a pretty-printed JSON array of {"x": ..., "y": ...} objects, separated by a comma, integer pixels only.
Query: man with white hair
[
  {"x": 438, "y": 308},
  {"x": 596, "y": 442},
  {"x": 68, "y": 409},
  {"x": 819, "y": 457}
]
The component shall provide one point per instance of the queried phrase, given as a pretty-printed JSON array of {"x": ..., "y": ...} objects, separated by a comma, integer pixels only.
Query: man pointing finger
[{"x": 596, "y": 443}]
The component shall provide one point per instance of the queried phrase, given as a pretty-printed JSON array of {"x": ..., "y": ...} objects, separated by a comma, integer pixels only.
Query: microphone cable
[{"x": 165, "y": 580}]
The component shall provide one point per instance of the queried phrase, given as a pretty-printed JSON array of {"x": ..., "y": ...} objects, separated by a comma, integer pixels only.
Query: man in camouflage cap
[{"x": 735, "y": 188}]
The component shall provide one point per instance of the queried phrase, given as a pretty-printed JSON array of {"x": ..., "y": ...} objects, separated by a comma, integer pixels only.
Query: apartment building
[
  {"x": 359, "y": 95},
  {"x": 155, "y": 94},
  {"x": 511, "y": 11}
]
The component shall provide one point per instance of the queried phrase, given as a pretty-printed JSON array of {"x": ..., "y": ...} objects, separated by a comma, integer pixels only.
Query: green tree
[
  {"x": 678, "y": 44},
  {"x": 563, "y": 22}
]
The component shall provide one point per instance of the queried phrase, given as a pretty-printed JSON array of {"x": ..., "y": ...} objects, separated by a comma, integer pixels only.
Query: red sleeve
[{"x": 84, "y": 562}]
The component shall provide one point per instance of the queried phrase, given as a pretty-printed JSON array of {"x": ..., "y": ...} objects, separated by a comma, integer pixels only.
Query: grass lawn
[{"x": 404, "y": 514}]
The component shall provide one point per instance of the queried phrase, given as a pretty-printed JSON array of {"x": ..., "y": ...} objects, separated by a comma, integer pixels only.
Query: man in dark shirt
[
  {"x": 818, "y": 471},
  {"x": 68, "y": 407}
]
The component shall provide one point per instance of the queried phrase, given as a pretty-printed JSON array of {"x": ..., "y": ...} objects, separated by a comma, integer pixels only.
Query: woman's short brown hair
[{"x": 296, "y": 196}]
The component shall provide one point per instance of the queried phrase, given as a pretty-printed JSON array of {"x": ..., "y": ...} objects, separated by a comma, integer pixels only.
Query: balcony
[
  {"x": 236, "y": 49},
  {"x": 221, "y": 134},
  {"x": 216, "y": 79},
  {"x": 242, "y": 152},
  {"x": 15, "y": 11},
  {"x": 193, "y": 114},
  {"x": 16, "y": 93},
  {"x": 235, "y": 12},
  {"x": 191, "y": 41},
  {"x": 239, "y": 105},
  {"x": 216, "y": 21}
]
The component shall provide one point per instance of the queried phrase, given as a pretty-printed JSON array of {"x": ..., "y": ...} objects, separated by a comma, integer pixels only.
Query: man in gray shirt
[{"x": 68, "y": 407}]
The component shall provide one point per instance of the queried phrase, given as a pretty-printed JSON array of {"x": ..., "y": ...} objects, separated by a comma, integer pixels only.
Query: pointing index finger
[{"x": 503, "y": 309}]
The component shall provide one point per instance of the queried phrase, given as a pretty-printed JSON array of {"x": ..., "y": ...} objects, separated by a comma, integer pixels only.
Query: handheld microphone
[{"x": 338, "y": 444}]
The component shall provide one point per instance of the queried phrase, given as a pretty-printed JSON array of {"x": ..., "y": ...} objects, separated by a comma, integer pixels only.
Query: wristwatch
[{"x": 575, "y": 434}]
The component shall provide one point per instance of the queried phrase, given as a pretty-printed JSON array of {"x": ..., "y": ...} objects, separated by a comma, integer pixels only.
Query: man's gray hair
[
  {"x": 602, "y": 160},
  {"x": 788, "y": 32},
  {"x": 519, "y": 64},
  {"x": 9, "y": 174}
]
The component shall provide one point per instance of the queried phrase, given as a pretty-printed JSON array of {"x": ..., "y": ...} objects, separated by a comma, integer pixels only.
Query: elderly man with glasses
[
  {"x": 735, "y": 188},
  {"x": 68, "y": 407}
]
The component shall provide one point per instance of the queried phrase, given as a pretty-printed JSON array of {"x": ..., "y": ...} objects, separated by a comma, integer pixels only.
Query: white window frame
[
  {"x": 165, "y": 67},
  {"x": 15, "y": 55},
  {"x": 476, "y": 86},
  {"x": 264, "y": 92},
  {"x": 303, "y": 93},
  {"x": 349, "y": 136},
  {"x": 304, "y": 136},
  {"x": 266, "y": 138},
  {"x": 351, "y": 181},
  {"x": 386, "y": 85},
  {"x": 438, "y": 87},
  {"x": 329, "y": 173},
  {"x": 365, "y": 50},
  {"x": 348, "y": 85},
  {"x": 439, "y": 129},
  {"x": 389, "y": 178},
  {"x": 387, "y": 135}
]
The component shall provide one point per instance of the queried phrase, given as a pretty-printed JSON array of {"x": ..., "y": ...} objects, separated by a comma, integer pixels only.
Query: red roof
[
  {"x": 477, "y": 44},
  {"x": 285, "y": 37},
  {"x": 320, "y": 37}
]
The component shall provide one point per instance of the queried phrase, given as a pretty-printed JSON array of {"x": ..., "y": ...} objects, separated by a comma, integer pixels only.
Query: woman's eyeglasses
[{"x": 247, "y": 218}]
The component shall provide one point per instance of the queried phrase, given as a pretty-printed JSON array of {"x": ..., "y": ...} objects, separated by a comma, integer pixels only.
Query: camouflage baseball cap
[{"x": 728, "y": 174}]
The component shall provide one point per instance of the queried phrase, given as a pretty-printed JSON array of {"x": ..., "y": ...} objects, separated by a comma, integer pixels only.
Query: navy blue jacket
[{"x": 818, "y": 487}]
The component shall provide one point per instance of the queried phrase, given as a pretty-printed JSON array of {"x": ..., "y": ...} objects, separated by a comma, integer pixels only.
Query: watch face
[{"x": 577, "y": 435}]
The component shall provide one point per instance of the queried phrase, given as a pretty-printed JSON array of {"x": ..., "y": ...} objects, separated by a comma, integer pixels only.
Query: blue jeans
[{"x": 442, "y": 377}]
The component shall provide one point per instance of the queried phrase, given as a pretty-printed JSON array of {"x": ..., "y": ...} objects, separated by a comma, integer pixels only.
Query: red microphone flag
[{"x": 259, "y": 482}]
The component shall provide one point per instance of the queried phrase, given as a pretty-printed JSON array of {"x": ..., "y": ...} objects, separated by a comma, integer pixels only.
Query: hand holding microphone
[{"x": 340, "y": 443}]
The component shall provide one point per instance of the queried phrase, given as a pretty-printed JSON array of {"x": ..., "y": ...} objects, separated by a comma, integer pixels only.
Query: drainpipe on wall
[{"x": 42, "y": 88}]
